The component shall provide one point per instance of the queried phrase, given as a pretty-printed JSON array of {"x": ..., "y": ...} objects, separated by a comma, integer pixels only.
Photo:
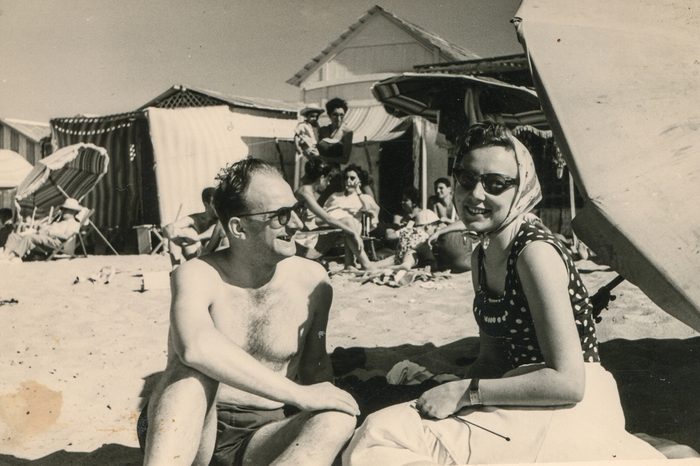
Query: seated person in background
[
  {"x": 413, "y": 249},
  {"x": 186, "y": 234},
  {"x": 5, "y": 225},
  {"x": 352, "y": 201},
  {"x": 306, "y": 132},
  {"x": 313, "y": 183},
  {"x": 51, "y": 235},
  {"x": 410, "y": 207},
  {"x": 441, "y": 202}
]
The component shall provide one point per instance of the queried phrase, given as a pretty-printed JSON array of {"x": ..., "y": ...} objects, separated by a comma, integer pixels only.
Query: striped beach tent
[{"x": 127, "y": 194}]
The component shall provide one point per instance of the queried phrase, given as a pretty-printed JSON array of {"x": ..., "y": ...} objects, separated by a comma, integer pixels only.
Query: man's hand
[
  {"x": 326, "y": 396},
  {"x": 443, "y": 400}
]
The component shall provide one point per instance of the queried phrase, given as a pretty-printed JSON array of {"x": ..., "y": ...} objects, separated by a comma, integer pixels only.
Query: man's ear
[{"x": 235, "y": 226}]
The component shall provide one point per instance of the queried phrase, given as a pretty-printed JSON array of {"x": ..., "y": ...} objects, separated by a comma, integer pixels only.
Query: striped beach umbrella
[
  {"x": 428, "y": 94},
  {"x": 72, "y": 171},
  {"x": 13, "y": 168}
]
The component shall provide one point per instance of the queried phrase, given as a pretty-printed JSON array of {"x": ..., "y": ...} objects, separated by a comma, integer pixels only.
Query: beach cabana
[{"x": 149, "y": 182}]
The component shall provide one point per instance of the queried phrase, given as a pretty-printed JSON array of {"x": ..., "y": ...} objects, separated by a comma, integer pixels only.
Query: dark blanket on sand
[{"x": 657, "y": 379}]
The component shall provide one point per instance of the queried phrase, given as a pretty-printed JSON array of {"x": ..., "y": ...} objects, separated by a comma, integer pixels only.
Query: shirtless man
[
  {"x": 247, "y": 337},
  {"x": 187, "y": 233}
]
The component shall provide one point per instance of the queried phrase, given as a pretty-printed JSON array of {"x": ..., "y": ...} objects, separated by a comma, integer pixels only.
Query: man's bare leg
[
  {"x": 181, "y": 419},
  {"x": 304, "y": 439}
]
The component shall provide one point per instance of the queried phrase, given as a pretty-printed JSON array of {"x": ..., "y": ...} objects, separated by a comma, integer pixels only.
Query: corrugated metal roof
[
  {"x": 287, "y": 108},
  {"x": 449, "y": 50},
  {"x": 34, "y": 130}
]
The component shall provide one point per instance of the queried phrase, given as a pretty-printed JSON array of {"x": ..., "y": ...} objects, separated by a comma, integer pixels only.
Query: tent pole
[
  {"x": 572, "y": 206},
  {"x": 279, "y": 152},
  {"x": 97, "y": 230},
  {"x": 423, "y": 167}
]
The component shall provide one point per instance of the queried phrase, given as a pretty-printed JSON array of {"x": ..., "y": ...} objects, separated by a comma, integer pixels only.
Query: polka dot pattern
[{"x": 508, "y": 317}]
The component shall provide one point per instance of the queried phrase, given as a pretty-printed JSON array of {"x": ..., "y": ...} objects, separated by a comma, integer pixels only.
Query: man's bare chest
[{"x": 270, "y": 326}]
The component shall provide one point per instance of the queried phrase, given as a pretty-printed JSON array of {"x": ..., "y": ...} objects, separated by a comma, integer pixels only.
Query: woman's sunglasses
[
  {"x": 493, "y": 183},
  {"x": 283, "y": 215}
]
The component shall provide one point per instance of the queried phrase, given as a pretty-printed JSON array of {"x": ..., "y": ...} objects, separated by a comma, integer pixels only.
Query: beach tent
[
  {"x": 130, "y": 193},
  {"x": 191, "y": 145},
  {"x": 619, "y": 82}
]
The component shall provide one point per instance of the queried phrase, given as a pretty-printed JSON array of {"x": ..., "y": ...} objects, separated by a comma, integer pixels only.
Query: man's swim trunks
[{"x": 235, "y": 427}]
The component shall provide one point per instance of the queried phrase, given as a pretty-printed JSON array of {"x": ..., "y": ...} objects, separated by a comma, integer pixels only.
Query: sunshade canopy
[
  {"x": 69, "y": 172},
  {"x": 13, "y": 168},
  {"x": 455, "y": 101},
  {"x": 620, "y": 84}
]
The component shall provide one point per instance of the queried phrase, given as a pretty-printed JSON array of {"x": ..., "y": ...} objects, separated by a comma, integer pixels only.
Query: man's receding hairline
[{"x": 263, "y": 171}]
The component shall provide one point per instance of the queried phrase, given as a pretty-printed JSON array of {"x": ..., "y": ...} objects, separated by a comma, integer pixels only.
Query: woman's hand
[{"x": 443, "y": 400}]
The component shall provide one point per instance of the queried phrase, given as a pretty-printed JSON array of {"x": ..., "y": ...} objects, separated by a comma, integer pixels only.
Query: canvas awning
[
  {"x": 426, "y": 94},
  {"x": 371, "y": 123},
  {"x": 619, "y": 84},
  {"x": 191, "y": 145}
]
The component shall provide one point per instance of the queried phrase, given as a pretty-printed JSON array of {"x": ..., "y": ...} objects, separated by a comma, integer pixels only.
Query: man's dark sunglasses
[
  {"x": 493, "y": 183},
  {"x": 283, "y": 214}
]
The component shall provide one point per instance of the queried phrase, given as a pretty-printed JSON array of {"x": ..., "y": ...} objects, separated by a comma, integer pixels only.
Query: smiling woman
[{"x": 538, "y": 379}]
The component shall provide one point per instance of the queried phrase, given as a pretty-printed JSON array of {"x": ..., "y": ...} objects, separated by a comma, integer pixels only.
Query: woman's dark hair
[
  {"x": 411, "y": 193},
  {"x": 234, "y": 179},
  {"x": 485, "y": 134},
  {"x": 362, "y": 174},
  {"x": 315, "y": 169},
  {"x": 443, "y": 180},
  {"x": 335, "y": 103}
]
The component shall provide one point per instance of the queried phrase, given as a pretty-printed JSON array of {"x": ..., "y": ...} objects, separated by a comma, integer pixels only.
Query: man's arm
[
  {"x": 215, "y": 240},
  {"x": 315, "y": 364},
  {"x": 199, "y": 345},
  {"x": 172, "y": 230}
]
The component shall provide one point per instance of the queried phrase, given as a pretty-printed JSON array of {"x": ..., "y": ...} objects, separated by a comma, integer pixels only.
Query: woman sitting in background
[
  {"x": 352, "y": 201},
  {"x": 315, "y": 180},
  {"x": 410, "y": 207},
  {"x": 537, "y": 391},
  {"x": 441, "y": 202}
]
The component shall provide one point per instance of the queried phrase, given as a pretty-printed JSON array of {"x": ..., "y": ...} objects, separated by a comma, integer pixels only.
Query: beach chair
[{"x": 68, "y": 247}]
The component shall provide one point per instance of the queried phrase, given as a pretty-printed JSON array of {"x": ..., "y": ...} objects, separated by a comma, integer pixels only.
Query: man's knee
[
  {"x": 335, "y": 424},
  {"x": 187, "y": 379}
]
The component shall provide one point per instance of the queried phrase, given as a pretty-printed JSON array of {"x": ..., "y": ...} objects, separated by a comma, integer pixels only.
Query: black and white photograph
[{"x": 333, "y": 233}]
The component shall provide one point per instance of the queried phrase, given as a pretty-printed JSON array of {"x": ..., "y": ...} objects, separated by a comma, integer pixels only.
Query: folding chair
[{"x": 67, "y": 248}]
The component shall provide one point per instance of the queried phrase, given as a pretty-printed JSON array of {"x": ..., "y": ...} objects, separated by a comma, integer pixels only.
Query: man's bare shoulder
[
  {"x": 303, "y": 270},
  {"x": 199, "y": 271}
]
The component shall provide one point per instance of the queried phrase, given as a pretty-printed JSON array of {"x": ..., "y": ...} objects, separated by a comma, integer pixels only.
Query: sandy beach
[{"x": 77, "y": 356}]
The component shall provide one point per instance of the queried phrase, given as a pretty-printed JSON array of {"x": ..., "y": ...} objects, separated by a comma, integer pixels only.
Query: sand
[{"x": 77, "y": 358}]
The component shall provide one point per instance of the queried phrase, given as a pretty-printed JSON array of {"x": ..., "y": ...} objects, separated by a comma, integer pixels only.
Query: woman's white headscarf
[{"x": 528, "y": 192}]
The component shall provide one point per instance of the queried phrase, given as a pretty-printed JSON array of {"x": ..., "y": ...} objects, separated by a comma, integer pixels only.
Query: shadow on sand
[
  {"x": 110, "y": 454},
  {"x": 657, "y": 379}
]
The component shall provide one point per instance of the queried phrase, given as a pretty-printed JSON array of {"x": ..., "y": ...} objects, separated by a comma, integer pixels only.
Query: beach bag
[{"x": 453, "y": 252}]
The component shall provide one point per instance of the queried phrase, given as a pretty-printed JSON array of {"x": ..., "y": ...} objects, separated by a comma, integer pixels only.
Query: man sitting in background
[
  {"x": 51, "y": 235},
  {"x": 187, "y": 234}
]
